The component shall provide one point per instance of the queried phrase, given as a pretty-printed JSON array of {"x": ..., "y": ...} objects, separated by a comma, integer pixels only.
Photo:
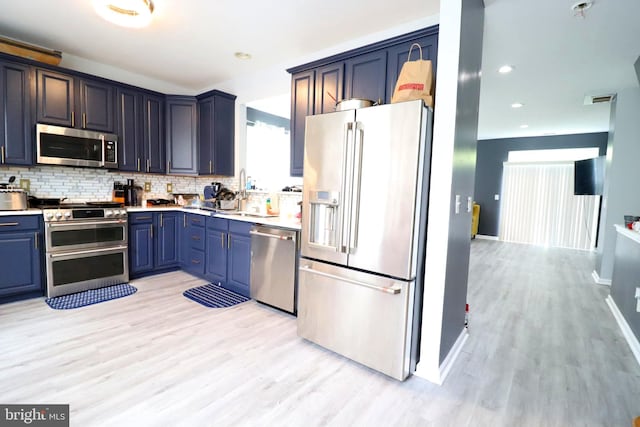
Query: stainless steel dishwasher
[{"x": 274, "y": 267}]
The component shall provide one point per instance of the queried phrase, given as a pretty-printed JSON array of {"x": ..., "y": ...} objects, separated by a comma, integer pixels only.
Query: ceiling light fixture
[
  {"x": 242, "y": 55},
  {"x": 580, "y": 7},
  {"x": 505, "y": 69},
  {"x": 517, "y": 105},
  {"x": 524, "y": 126},
  {"x": 126, "y": 13}
]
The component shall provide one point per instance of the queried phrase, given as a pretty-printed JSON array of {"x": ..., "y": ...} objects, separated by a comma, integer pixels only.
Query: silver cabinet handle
[
  {"x": 84, "y": 120},
  {"x": 73, "y": 119},
  {"x": 138, "y": 164},
  {"x": 273, "y": 236},
  {"x": 210, "y": 166},
  {"x": 35, "y": 239},
  {"x": 393, "y": 290},
  {"x": 2, "y": 151},
  {"x": 9, "y": 224}
]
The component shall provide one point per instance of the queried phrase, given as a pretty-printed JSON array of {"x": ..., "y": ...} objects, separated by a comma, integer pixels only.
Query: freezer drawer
[
  {"x": 274, "y": 257},
  {"x": 364, "y": 317}
]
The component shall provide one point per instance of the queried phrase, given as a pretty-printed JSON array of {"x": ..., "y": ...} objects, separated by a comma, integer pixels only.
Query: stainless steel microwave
[{"x": 58, "y": 145}]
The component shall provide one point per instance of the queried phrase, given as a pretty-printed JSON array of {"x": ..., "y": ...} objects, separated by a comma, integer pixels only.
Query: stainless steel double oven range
[{"x": 86, "y": 247}]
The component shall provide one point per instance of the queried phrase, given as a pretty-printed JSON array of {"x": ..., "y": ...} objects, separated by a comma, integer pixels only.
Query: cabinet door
[
  {"x": 181, "y": 136},
  {"x": 223, "y": 131},
  {"x": 55, "y": 98},
  {"x": 154, "y": 146},
  {"x": 16, "y": 130},
  {"x": 166, "y": 242},
  {"x": 328, "y": 87},
  {"x": 130, "y": 140},
  {"x": 20, "y": 263},
  {"x": 205, "y": 136},
  {"x": 140, "y": 248},
  {"x": 302, "y": 88},
  {"x": 239, "y": 264},
  {"x": 366, "y": 76},
  {"x": 216, "y": 256},
  {"x": 398, "y": 55},
  {"x": 96, "y": 106}
]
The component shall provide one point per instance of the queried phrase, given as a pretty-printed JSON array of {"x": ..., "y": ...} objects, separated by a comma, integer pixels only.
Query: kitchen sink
[{"x": 254, "y": 214}]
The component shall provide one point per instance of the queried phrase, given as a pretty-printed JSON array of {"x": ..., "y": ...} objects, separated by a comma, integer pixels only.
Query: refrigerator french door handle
[
  {"x": 346, "y": 186},
  {"x": 355, "y": 187}
]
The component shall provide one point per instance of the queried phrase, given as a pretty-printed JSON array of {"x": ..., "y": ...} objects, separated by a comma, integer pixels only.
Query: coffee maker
[{"x": 132, "y": 194}]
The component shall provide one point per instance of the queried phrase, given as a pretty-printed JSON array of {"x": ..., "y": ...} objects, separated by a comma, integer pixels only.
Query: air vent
[{"x": 598, "y": 99}]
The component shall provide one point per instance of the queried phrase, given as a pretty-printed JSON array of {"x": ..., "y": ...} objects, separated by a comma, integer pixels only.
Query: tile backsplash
[{"x": 87, "y": 184}]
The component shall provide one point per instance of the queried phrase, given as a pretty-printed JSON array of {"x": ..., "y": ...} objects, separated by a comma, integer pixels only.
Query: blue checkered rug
[
  {"x": 92, "y": 296},
  {"x": 214, "y": 296}
]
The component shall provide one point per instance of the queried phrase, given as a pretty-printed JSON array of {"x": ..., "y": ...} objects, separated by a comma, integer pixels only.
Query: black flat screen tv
[{"x": 589, "y": 176}]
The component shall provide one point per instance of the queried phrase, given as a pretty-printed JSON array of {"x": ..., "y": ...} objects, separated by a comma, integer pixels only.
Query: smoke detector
[
  {"x": 598, "y": 99},
  {"x": 580, "y": 8}
]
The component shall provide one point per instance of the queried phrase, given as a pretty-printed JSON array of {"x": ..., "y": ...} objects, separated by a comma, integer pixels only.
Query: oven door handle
[
  {"x": 87, "y": 223},
  {"x": 89, "y": 251}
]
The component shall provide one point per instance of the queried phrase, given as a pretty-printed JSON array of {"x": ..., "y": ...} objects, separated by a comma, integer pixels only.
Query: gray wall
[
  {"x": 466, "y": 135},
  {"x": 626, "y": 276},
  {"x": 621, "y": 188},
  {"x": 493, "y": 152}
]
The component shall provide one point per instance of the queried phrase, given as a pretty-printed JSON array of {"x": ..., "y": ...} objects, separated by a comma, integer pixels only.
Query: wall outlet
[
  {"x": 637, "y": 300},
  {"x": 25, "y": 184},
  {"x": 169, "y": 187},
  {"x": 147, "y": 187},
  {"x": 496, "y": 197},
  {"x": 458, "y": 203}
]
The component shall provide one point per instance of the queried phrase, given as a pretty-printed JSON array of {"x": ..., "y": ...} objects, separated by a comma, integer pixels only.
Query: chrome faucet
[{"x": 243, "y": 184}]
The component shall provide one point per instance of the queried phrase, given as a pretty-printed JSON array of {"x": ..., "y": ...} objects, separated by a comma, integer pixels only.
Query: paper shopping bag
[{"x": 415, "y": 80}]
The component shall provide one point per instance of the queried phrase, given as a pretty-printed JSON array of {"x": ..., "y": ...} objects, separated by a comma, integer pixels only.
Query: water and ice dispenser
[{"x": 324, "y": 218}]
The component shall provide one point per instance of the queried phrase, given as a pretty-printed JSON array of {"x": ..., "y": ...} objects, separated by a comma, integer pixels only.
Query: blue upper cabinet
[
  {"x": 182, "y": 150},
  {"x": 216, "y": 133},
  {"x": 65, "y": 100},
  {"x": 16, "y": 130},
  {"x": 55, "y": 98},
  {"x": 398, "y": 55},
  {"x": 129, "y": 130},
  {"x": 366, "y": 76},
  {"x": 302, "y": 100},
  {"x": 153, "y": 133},
  {"x": 96, "y": 106},
  {"x": 328, "y": 88},
  {"x": 369, "y": 72}
]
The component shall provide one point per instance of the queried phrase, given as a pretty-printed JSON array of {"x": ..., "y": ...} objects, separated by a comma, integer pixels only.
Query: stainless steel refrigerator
[{"x": 366, "y": 185}]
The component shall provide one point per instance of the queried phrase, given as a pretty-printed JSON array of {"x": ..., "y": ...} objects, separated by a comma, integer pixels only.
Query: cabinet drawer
[
  {"x": 195, "y": 261},
  {"x": 141, "y": 218},
  {"x": 19, "y": 222},
  {"x": 240, "y": 227},
  {"x": 195, "y": 238},
  {"x": 196, "y": 220},
  {"x": 217, "y": 223}
]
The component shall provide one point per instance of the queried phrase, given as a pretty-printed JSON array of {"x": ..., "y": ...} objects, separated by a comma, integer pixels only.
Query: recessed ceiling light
[
  {"x": 505, "y": 69},
  {"x": 126, "y": 13},
  {"x": 517, "y": 105},
  {"x": 242, "y": 55},
  {"x": 524, "y": 126}
]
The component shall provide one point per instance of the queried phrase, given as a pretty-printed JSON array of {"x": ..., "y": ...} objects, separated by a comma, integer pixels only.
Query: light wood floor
[{"x": 543, "y": 350}]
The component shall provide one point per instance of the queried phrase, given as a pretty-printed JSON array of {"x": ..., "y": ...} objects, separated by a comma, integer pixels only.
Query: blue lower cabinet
[
  {"x": 140, "y": 248},
  {"x": 167, "y": 248},
  {"x": 21, "y": 246},
  {"x": 216, "y": 269},
  {"x": 239, "y": 264},
  {"x": 153, "y": 242}
]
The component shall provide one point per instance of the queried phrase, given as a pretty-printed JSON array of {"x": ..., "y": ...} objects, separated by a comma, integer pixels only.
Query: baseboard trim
[
  {"x": 598, "y": 280},
  {"x": 437, "y": 375},
  {"x": 632, "y": 340},
  {"x": 484, "y": 237}
]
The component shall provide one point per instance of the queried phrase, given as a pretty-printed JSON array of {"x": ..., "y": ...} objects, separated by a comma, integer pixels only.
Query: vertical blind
[{"x": 539, "y": 207}]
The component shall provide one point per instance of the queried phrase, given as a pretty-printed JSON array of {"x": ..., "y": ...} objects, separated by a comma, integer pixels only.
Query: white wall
[{"x": 622, "y": 182}]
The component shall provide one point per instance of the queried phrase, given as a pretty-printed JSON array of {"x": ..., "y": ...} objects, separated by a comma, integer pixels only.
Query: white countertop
[
  {"x": 24, "y": 212},
  {"x": 276, "y": 221},
  {"x": 633, "y": 235}
]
